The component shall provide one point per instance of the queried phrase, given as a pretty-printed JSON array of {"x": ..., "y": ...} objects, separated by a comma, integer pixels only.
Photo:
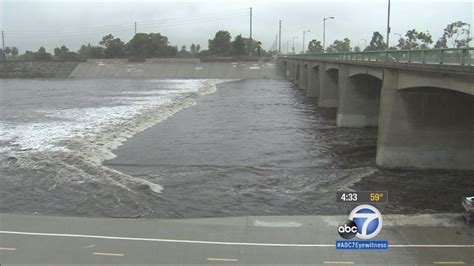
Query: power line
[
  {"x": 128, "y": 28},
  {"x": 142, "y": 22}
]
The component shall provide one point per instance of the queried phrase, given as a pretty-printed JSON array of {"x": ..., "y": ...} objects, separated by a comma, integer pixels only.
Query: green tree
[
  {"x": 183, "y": 52},
  {"x": 41, "y": 54},
  {"x": 376, "y": 43},
  {"x": 3, "y": 57},
  {"x": 192, "y": 48},
  {"x": 63, "y": 53},
  {"x": 252, "y": 46},
  {"x": 14, "y": 51},
  {"x": 221, "y": 44},
  {"x": 7, "y": 51},
  {"x": 60, "y": 52},
  {"x": 28, "y": 55},
  {"x": 114, "y": 47},
  {"x": 441, "y": 43},
  {"x": 150, "y": 45},
  {"x": 456, "y": 34},
  {"x": 90, "y": 51},
  {"x": 198, "y": 48},
  {"x": 340, "y": 46},
  {"x": 357, "y": 49},
  {"x": 238, "y": 46},
  {"x": 415, "y": 40},
  {"x": 315, "y": 47}
]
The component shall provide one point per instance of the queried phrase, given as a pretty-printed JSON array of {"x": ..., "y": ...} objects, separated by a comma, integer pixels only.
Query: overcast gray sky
[{"x": 31, "y": 24}]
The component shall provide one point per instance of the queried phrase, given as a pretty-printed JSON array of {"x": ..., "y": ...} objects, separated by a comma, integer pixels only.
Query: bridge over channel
[{"x": 422, "y": 101}]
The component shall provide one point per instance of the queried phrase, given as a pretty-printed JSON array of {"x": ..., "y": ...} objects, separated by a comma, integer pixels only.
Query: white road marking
[
  {"x": 221, "y": 259},
  {"x": 449, "y": 262},
  {"x": 338, "y": 262},
  {"x": 187, "y": 241},
  {"x": 258, "y": 223},
  {"x": 8, "y": 249},
  {"x": 108, "y": 254}
]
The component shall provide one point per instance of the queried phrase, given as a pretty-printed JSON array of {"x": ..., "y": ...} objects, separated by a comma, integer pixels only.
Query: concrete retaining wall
[{"x": 182, "y": 70}]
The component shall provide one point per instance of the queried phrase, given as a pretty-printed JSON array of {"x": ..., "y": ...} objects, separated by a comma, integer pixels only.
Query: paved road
[{"x": 420, "y": 239}]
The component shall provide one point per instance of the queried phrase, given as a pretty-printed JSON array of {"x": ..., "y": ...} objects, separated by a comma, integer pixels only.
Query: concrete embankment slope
[{"x": 181, "y": 69}]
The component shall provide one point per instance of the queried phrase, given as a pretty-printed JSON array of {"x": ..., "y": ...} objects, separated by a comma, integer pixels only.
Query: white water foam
[{"x": 85, "y": 137}]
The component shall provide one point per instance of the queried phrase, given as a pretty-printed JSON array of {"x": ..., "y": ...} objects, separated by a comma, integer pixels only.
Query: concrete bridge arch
[
  {"x": 424, "y": 126},
  {"x": 359, "y": 97},
  {"x": 450, "y": 81}
]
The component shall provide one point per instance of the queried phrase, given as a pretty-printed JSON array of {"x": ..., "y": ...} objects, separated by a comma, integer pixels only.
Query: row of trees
[
  {"x": 456, "y": 34},
  {"x": 148, "y": 45},
  {"x": 5, "y": 54},
  {"x": 222, "y": 45},
  {"x": 142, "y": 45}
]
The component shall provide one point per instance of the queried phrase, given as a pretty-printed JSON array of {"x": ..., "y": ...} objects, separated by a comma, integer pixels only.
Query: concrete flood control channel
[{"x": 413, "y": 240}]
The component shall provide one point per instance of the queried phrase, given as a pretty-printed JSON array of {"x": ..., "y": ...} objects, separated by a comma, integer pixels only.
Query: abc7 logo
[
  {"x": 365, "y": 222},
  {"x": 347, "y": 229}
]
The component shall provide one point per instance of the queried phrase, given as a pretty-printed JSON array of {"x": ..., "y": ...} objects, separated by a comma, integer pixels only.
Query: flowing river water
[{"x": 193, "y": 148}]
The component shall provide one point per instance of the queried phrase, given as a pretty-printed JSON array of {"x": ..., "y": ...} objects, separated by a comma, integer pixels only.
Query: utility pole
[
  {"x": 135, "y": 28},
  {"x": 250, "y": 23},
  {"x": 279, "y": 39},
  {"x": 3, "y": 41},
  {"x": 388, "y": 25}
]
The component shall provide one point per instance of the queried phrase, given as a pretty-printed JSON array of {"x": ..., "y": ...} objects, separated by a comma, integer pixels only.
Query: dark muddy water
[{"x": 186, "y": 149}]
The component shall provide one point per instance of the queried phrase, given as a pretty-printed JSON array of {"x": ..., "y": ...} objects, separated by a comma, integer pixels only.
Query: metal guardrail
[{"x": 452, "y": 56}]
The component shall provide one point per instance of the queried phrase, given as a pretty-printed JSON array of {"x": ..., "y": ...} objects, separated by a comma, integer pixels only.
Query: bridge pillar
[
  {"x": 290, "y": 69},
  {"x": 425, "y": 127},
  {"x": 281, "y": 67},
  {"x": 313, "y": 80},
  {"x": 297, "y": 77},
  {"x": 327, "y": 86},
  {"x": 303, "y": 78},
  {"x": 294, "y": 71},
  {"x": 359, "y": 99}
]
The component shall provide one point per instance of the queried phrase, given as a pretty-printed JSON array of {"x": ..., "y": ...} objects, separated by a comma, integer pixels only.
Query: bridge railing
[{"x": 452, "y": 56}]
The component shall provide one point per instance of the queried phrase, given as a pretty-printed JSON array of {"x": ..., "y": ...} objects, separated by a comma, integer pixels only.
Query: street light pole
[
  {"x": 294, "y": 37},
  {"x": 324, "y": 32},
  {"x": 388, "y": 25},
  {"x": 304, "y": 38}
]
